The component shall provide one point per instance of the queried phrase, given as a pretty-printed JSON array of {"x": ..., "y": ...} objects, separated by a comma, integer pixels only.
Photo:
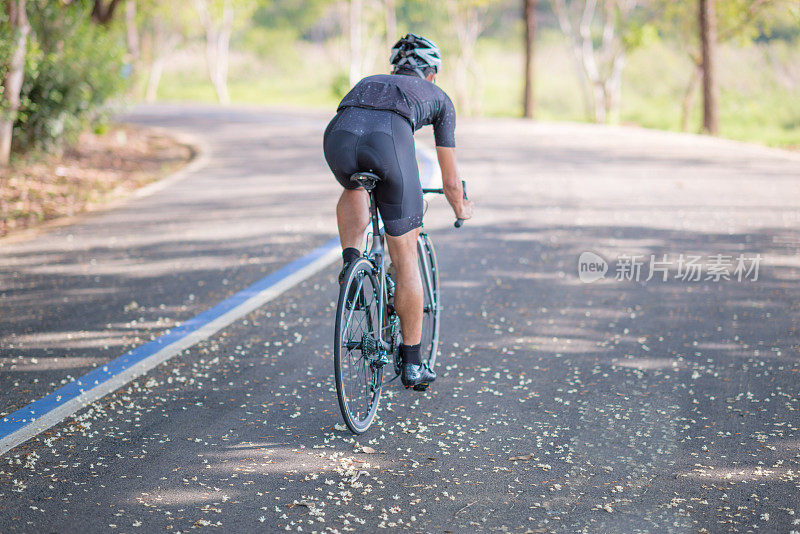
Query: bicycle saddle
[{"x": 367, "y": 180}]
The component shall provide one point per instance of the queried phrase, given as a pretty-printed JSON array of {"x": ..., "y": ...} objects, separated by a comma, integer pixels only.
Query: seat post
[
  {"x": 368, "y": 180},
  {"x": 377, "y": 245}
]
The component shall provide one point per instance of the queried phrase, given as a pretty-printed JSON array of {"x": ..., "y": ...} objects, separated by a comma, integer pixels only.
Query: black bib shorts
[{"x": 381, "y": 142}]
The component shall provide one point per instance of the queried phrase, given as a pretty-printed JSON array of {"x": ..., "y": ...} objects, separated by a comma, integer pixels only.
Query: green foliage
[
  {"x": 340, "y": 85},
  {"x": 6, "y": 38},
  {"x": 780, "y": 24},
  {"x": 295, "y": 53},
  {"x": 299, "y": 17},
  {"x": 739, "y": 20},
  {"x": 421, "y": 17},
  {"x": 276, "y": 46},
  {"x": 72, "y": 68},
  {"x": 640, "y": 35}
]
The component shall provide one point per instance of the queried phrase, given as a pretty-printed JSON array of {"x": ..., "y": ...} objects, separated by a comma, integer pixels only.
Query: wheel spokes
[{"x": 360, "y": 382}]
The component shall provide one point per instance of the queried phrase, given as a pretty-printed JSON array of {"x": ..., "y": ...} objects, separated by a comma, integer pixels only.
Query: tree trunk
[
  {"x": 467, "y": 22},
  {"x": 153, "y": 81},
  {"x": 211, "y": 55},
  {"x": 163, "y": 43},
  {"x": 708, "y": 43},
  {"x": 600, "y": 64},
  {"x": 560, "y": 8},
  {"x": 391, "y": 24},
  {"x": 529, "y": 17},
  {"x": 356, "y": 8},
  {"x": 598, "y": 103},
  {"x": 15, "y": 74},
  {"x": 223, "y": 52},
  {"x": 688, "y": 96},
  {"x": 217, "y": 46},
  {"x": 132, "y": 32},
  {"x": 590, "y": 68},
  {"x": 580, "y": 36},
  {"x": 613, "y": 89},
  {"x": 211, "y": 39},
  {"x": 103, "y": 13}
]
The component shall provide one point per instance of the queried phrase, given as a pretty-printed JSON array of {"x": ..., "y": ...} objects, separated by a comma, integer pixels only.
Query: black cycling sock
[
  {"x": 350, "y": 253},
  {"x": 410, "y": 354}
]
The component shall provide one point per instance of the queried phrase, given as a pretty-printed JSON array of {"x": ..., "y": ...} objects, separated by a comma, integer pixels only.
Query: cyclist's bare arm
[{"x": 451, "y": 183}]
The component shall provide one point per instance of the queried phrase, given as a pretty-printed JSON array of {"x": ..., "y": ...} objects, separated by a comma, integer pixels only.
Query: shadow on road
[{"x": 561, "y": 406}]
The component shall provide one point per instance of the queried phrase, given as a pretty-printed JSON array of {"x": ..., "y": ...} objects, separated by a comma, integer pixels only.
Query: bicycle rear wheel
[
  {"x": 431, "y": 307},
  {"x": 358, "y": 378}
]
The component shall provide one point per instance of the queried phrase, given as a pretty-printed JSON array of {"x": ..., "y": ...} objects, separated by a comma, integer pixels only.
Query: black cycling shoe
[{"x": 416, "y": 376}]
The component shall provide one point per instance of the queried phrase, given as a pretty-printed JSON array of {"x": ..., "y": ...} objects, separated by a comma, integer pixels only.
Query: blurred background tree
[
  {"x": 741, "y": 21},
  {"x": 153, "y": 31},
  {"x": 629, "y": 61},
  {"x": 102, "y": 10},
  {"x": 73, "y": 65},
  {"x": 602, "y": 34},
  {"x": 468, "y": 19},
  {"x": 14, "y": 29},
  {"x": 217, "y": 18},
  {"x": 529, "y": 20}
]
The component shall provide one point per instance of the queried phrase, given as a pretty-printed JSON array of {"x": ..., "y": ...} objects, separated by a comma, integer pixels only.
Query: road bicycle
[{"x": 367, "y": 336}]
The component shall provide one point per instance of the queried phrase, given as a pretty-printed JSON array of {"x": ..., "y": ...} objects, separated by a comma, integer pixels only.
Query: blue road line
[
  {"x": 41, "y": 414},
  {"x": 37, "y": 409}
]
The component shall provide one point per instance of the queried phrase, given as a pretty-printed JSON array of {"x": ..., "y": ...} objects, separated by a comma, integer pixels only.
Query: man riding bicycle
[{"x": 373, "y": 131}]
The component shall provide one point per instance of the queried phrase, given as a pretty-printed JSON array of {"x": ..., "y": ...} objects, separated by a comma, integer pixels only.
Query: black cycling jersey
[
  {"x": 373, "y": 131},
  {"x": 417, "y": 100},
  {"x": 381, "y": 142}
]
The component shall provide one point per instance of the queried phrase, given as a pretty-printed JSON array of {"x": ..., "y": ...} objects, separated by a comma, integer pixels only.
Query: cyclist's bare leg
[
  {"x": 408, "y": 295},
  {"x": 352, "y": 216}
]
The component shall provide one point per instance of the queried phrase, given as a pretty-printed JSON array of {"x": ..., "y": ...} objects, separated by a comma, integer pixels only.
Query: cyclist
[{"x": 373, "y": 131}]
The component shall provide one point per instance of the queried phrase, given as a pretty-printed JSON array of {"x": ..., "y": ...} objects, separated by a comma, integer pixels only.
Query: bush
[
  {"x": 340, "y": 85},
  {"x": 73, "y": 67}
]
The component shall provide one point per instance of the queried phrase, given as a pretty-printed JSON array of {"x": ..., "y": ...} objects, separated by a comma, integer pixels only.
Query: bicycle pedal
[{"x": 421, "y": 387}]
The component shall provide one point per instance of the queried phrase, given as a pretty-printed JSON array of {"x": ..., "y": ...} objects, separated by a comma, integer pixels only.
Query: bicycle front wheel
[
  {"x": 431, "y": 306},
  {"x": 355, "y": 351}
]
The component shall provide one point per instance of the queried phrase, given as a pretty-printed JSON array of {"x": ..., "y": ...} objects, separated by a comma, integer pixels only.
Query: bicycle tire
[
  {"x": 432, "y": 305},
  {"x": 359, "y": 273}
]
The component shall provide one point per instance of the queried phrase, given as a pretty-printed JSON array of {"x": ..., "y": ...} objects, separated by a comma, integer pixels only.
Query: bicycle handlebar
[{"x": 440, "y": 191}]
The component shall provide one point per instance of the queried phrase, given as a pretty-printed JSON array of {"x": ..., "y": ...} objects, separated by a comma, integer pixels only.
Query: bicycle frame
[
  {"x": 377, "y": 254},
  {"x": 377, "y": 349},
  {"x": 427, "y": 270}
]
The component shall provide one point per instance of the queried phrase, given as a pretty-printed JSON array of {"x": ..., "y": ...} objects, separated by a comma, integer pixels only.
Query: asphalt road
[{"x": 562, "y": 406}]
